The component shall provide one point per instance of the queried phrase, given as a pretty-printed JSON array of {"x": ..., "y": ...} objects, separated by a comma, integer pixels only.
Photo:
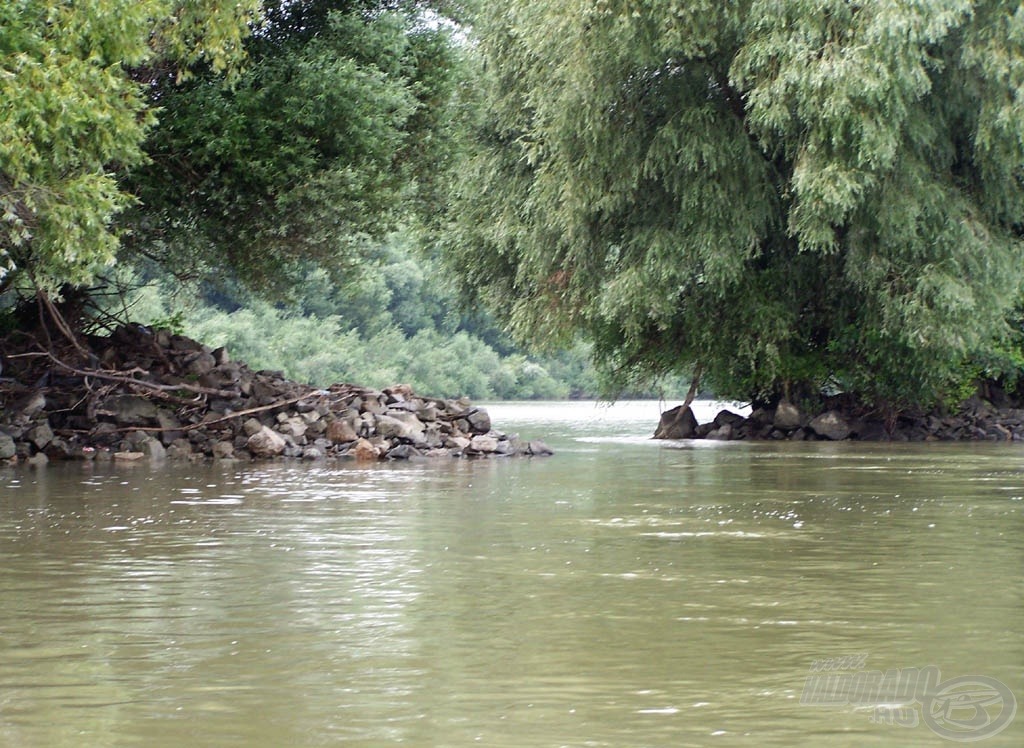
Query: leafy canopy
[
  {"x": 796, "y": 196},
  {"x": 337, "y": 127},
  {"x": 74, "y": 112}
]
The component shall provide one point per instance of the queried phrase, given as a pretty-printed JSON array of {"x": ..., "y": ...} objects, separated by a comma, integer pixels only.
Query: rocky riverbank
[
  {"x": 155, "y": 395},
  {"x": 975, "y": 420}
]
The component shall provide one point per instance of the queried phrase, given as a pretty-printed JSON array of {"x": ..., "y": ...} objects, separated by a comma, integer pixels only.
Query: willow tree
[
  {"x": 793, "y": 197},
  {"x": 75, "y": 110}
]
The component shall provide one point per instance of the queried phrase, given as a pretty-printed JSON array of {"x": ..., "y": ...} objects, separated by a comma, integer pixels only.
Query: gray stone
[
  {"x": 266, "y": 443},
  {"x": 539, "y": 449},
  {"x": 252, "y": 427},
  {"x": 457, "y": 442},
  {"x": 179, "y": 449},
  {"x": 170, "y": 425},
  {"x": 7, "y": 448},
  {"x": 223, "y": 450},
  {"x": 722, "y": 433},
  {"x": 483, "y": 443},
  {"x": 294, "y": 427},
  {"x": 677, "y": 423},
  {"x": 131, "y": 410},
  {"x": 392, "y": 428},
  {"x": 312, "y": 453},
  {"x": 58, "y": 449},
  {"x": 153, "y": 449},
  {"x": 403, "y": 452},
  {"x": 830, "y": 425},
  {"x": 787, "y": 416},
  {"x": 479, "y": 421},
  {"x": 129, "y": 456},
  {"x": 38, "y": 460},
  {"x": 201, "y": 363},
  {"x": 40, "y": 434}
]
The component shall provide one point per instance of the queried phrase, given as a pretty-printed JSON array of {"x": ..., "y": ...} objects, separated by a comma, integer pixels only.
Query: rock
[
  {"x": 727, "y": 417},
  {"x": 223, "y": 450},
  {"x": 483, "y": 443},
  {"x": 787, "y": 416},
  {"x": 201, "y": 363},
  {"x": 458, "y": 443},
  {"x": 153, "y": 449},
  {"x": 830, "y": 425},
  {"x": 58, "y": 449},
  {"x": 677, "y": 423},
  {"x": 403, "y": 452},
  {"x": 131, "y": 410},
  {"x": 40, "y": 435},
  {"x": 722, "y": 433},
  {"x": 392, "y": 428},
  {"x": 170, "y": 425},
  {"x": 479, "y": 421},
  {"x": 364, "y": 451},
  {"x": 703, "y": 430},
  {"x": 340, "y": 431},
  {"x": 179, "y": 449},
  {"x": 7, "y": 448},
  {"x": 540, "y": 449},
  {"x": 294, "y": 427},
  {"x": 252, "y": 427},
  {"x": 28, "y": 406},
  {"x": 312, "y": 453},
  {"x": 129, "y": 456},
  {"x": 38, "y": 460},
  {"x": 266, "y": 443}
]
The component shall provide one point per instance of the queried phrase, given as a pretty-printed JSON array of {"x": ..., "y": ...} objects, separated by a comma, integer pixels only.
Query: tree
[
  {"x": 796, "y": 197},
  {"x": 337, "y": 127},
  {"x": 74, "y": 113}
]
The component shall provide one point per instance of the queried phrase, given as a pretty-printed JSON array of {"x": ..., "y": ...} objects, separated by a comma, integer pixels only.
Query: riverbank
[
  {"x": 975, "y": 419},
  {"x": 141, "y": 394}
]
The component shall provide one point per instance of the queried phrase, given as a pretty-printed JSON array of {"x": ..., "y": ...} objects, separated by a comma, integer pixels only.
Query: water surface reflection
[{"x": 621, "y": 593}]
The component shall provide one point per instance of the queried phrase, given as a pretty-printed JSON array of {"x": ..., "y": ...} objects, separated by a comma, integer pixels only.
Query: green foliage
[
  {"x": 335, "y": 130},
  {"x": 395, "y": 322},
  {"x": 72, "y": 116},
  {"x": 796, "y": 196}
]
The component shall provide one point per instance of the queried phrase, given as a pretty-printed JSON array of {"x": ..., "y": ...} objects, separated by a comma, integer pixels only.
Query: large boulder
[
  {"x": 479, "y": 421},
  {"x": 830, "y": 425},
  {"x": 678, "y": 423},
  {"x": 266, "y": 443},
  {"x": 787, "y": 416}
]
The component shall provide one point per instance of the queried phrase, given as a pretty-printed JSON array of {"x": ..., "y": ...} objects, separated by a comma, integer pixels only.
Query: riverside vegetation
[{"x": 809, "y": 204}]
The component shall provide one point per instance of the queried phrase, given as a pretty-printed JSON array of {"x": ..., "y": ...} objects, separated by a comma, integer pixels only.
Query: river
[{"x": 624, "y": 592}]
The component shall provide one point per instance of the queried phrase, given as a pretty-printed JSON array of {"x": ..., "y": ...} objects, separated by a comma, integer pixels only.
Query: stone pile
[
  {"x": 158, "y": 395},
  {"x": 975, "y": 420}
]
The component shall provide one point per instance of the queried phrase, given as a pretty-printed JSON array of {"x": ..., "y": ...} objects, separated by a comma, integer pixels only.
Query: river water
[{"x": 624, "y": 592}]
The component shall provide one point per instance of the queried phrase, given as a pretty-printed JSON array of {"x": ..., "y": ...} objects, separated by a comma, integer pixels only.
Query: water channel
[{"x": 624, "y": 592}]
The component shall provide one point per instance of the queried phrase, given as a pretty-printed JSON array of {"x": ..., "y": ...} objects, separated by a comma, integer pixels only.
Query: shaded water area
[{"x": 622, "y": 593}]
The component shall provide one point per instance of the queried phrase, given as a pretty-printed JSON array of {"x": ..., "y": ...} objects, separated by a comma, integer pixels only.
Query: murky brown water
[{"x": 619, "y": 594}]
